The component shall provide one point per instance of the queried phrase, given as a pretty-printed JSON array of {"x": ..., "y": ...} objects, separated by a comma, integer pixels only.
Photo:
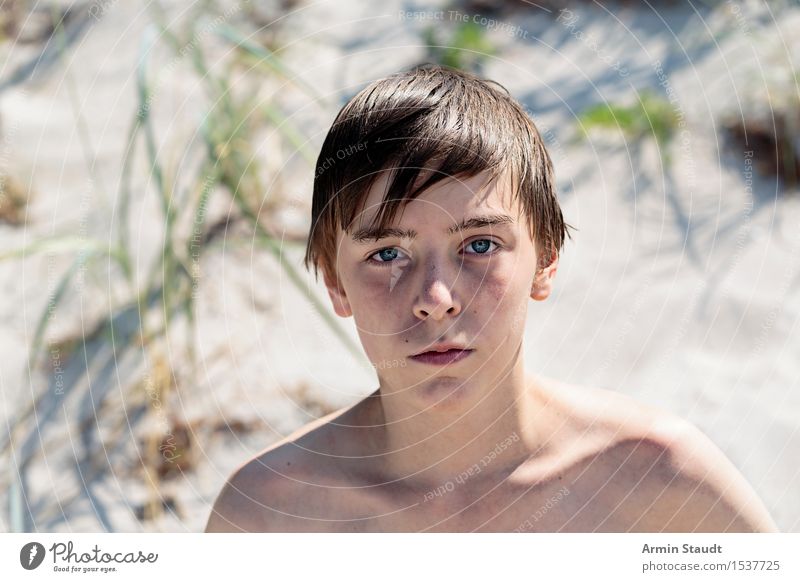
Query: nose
[{"x": 437, "y": 299}]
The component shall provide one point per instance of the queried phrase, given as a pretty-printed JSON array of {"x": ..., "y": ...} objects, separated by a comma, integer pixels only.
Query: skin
[{"x": 417, "y": 454}]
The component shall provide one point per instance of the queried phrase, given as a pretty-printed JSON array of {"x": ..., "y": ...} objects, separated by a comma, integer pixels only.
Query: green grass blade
[
  {"x": 52, "y": 302},
  {"x": 274, "y": 247},
  {"x": 290, "y": 132},
  {"x": 15, "y": 503},
  {"x": 64, "y": 244},
  {"x": 268, "y": 58}
]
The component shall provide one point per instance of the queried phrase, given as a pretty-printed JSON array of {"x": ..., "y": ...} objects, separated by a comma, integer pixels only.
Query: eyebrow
[{"x": 371, "y": 233}]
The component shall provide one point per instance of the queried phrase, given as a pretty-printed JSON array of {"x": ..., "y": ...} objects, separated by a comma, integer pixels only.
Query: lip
[
  {"x": 443, "y": 347},
  {"x": 443, "y": 355}
]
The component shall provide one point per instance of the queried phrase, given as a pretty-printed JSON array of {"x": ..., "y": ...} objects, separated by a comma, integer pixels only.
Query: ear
[
  {"x": 543, "y": 280},
  {"x": 338, "y": 297}
]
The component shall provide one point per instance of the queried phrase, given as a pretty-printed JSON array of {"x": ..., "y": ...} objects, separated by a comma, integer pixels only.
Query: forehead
[{"x": 448, "y": 199}]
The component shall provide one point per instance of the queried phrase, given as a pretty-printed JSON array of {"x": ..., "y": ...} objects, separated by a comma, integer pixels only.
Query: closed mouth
[
  {"x": 443, "y": 351},
  {"x": 443, "y": 348},
  {"x": 444, "y": 357}
]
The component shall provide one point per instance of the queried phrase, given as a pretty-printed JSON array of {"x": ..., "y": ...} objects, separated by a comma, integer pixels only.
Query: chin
[{"x": 445, "y": 392}]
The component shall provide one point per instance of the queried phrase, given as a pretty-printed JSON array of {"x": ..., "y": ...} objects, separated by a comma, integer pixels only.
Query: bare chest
[{"x": 588, "y": 503}]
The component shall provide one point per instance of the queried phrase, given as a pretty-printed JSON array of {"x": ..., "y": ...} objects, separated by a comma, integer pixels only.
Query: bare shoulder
[
  {"x": 241, "y": 505},
  {"x": 672, "y": 476},
  {"x": 612, "y": 417},
  {"x": 279, "y": 489},
  {"x": 698, "y": 487}
]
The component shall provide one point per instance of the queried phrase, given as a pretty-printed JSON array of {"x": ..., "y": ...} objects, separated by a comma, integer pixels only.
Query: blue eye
[
  {"x": 391, "y": 254},
  {"x": 386, "y": 255},
  {"x": 480, "y": 246}
]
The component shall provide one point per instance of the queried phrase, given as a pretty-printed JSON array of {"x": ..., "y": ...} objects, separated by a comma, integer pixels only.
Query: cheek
[
  {"x": 376, "y": 298},
  {"x": 493, "y": 285},
  {"x": 500, "y": 301},
  {"x": 375, "y": 307}
]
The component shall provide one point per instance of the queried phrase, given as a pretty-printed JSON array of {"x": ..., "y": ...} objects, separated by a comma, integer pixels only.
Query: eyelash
[{"x": 486, "y": 254}]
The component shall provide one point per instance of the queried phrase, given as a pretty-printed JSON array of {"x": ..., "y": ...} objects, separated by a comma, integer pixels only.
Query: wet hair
[{"x": 424, "y": 125}]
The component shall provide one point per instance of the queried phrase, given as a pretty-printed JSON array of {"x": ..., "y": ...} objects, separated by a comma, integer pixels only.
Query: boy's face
[{"x": 427, "y": 282}]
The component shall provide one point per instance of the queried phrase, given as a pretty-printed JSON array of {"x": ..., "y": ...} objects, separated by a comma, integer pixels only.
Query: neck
[{"x": 489, "y": 428}]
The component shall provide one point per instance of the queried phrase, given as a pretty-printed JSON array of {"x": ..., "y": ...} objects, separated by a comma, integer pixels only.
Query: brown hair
[{"x": 428, "y": 118}]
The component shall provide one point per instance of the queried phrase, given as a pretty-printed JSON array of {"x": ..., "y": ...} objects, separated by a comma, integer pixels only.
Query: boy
[{"x": 434, "y": 220}]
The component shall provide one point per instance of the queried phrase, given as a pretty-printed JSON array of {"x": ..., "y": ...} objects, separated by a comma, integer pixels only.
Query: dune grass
[{"x": 229, "y": 168}]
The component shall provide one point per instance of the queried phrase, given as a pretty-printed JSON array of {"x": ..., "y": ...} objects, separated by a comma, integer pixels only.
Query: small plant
[
  {"x": 651, "y": 116},
  {"x": 466, "y": 48}
]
